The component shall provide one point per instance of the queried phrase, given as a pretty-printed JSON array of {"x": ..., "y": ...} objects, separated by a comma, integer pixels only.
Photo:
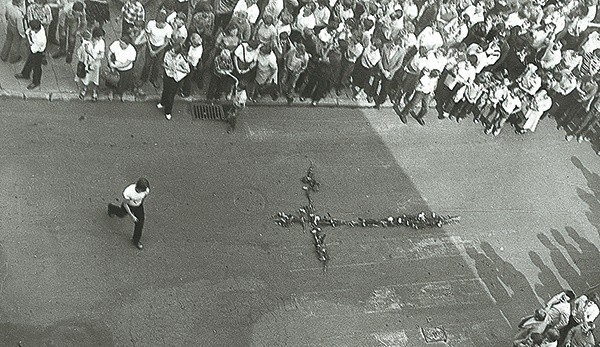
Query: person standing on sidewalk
[
  {"x": 424, "y": 92},
  {"x": 133, "y": 206},
  {"x": 159, "y": 35},
  {"x": 121, "y": 56},
  {"x": 15, "y": 31},
  {"x": 36, "y": 37},
  {"x": 194, "y": 59},
  {"x": 71, "y": 21},
  {"x": 40, "y": 10},
  {"x": 176, "y": 68},
  {"x": 91, "y": 52},
  {"x": 131, "y": 12}
]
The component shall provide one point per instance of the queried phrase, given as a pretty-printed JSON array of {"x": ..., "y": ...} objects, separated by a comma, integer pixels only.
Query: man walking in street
[
  {"x": 133, "y": 206},
  {"x": 36, "y": 37}
]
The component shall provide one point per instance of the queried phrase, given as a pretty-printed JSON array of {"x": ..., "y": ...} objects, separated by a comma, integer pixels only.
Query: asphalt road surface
[{"x": 217, "y": 271}]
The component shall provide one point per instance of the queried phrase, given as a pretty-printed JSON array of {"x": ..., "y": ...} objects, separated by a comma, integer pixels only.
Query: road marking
[
  {"x": 392, "y": 339},
  {"x": 369, "y": 252},
  {"x": 425, "y": 295}
]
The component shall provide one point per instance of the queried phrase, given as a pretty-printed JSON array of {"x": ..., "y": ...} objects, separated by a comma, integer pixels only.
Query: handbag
[
  {"x": 81, "y": 70},
  {"x": 111, "y": 79}
]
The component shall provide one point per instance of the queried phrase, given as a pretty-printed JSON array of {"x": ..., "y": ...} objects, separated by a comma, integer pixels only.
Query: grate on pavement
[{"x": 208, "y": 111}]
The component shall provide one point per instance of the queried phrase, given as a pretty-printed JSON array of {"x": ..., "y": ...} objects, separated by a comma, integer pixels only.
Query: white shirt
[
  {"x": 584, "y": 310},
  {"x": 37, "y": 41},
  {"x": 133, "y": 197},
  {"x": 592, "y": 42},
  {"x": 475, "y": 13},
  {"x": 430, "y": 38},
  {"x": 465, "y": 72},
  {"x": 370, "y": 57},
  {"x": 427, "y": 84},
  {"x": 266, "y": 68},
  {"x": 123, "y": 55},
  {"x": 253, "y": 13},
  {"x": 322, "y": 16},
  {"x": 194, "y": 55},
  {"x": 158, "y": 36},
  {"x": 244, "y": 54},
  {"x": 511, "y": 104},
  {"x": 303, "y": 22},
  {"x": 435, "y": 61}
]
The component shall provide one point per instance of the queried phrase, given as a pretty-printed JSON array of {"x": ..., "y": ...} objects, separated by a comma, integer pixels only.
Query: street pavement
[{"x": 217, "y": 271}]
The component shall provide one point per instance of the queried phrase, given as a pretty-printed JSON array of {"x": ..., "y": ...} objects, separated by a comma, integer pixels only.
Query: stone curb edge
[{"x": 70, "y": 96}]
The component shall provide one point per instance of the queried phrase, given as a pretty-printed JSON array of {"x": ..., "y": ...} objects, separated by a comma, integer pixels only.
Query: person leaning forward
[{"x": 133, "y": 206}]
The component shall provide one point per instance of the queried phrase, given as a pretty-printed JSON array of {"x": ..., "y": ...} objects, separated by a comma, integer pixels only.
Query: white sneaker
[
  {"x": 168, "y": 116},
  {"x": 159, "y": 105}
]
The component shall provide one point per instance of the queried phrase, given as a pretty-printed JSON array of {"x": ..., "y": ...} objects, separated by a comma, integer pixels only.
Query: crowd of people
[
  {"x": 565, "y": 321},
  {"x": 506, "y": 61}
]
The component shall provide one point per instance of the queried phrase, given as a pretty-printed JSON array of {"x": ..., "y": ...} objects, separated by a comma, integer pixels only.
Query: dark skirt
[{"x": 361, "y": 75}]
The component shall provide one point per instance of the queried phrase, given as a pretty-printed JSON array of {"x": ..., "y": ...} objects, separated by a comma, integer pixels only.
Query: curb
[
  {"x": 73, "y": 96},
  {"x": 63, "y": 96},
  {"x": 36, "y": 95}
]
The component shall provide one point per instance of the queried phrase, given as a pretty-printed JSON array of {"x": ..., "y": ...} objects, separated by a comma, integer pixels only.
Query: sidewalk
[{"x": 58, "y": 82}]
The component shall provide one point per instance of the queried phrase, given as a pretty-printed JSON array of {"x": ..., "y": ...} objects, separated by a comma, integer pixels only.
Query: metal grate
[{"x": 208, "y": 111}]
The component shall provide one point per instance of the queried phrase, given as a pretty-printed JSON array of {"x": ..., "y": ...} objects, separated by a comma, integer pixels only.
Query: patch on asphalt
[
  {"x": 249, "y": 201},
  {"x": 436, "y": 334},
  {"x": 392, "y": 339}
]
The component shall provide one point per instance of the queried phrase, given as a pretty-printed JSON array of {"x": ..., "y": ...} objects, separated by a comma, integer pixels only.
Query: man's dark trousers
[
  {"x": 34, "y": 63},
  {"x": 138, "y": 212}
]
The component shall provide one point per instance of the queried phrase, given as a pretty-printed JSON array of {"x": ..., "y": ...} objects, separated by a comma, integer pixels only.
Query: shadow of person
[
  {"x": 566, "y": 271},
  {"x": 549, "y": 284},
  {"x": 586, "y": 259},
  {"x": 593, "y": 215},
  {"x": 523, "y": 300},
  {"x": 509, "y": 287},
  {"x": 593, "y": 179}
]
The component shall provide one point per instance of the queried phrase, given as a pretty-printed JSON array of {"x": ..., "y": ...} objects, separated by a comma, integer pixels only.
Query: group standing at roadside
[
  {"x": 501, "y": 62},
  {"x": 565, "y": 321}
]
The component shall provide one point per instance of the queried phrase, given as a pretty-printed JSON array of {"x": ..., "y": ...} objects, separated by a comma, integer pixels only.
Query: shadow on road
[
  {"x": 508, "y": 286},
  {"x": 74, "y": 332},
  {"x": 573, "y": 255}
]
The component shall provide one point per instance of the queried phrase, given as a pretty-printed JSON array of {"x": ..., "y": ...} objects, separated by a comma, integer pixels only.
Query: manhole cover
[
  {"x": 249, "y": 201},
  {"x": 436, "y": 334}
]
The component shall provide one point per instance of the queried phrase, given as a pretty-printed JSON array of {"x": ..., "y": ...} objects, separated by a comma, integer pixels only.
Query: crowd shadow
[
  {"x": 573, "y": 255},
  {"x": 508, "y": 286}
]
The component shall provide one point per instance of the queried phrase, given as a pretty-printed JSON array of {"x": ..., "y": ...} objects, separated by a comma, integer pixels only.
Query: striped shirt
[
  {"x": 590, "y": 65},
  {"x": 226, "y": 6}
]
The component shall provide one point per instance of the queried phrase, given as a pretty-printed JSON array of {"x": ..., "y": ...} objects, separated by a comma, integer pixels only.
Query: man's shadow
[
  {"x": 508, "y": 286},
  {"x": 560, "y": 261}
]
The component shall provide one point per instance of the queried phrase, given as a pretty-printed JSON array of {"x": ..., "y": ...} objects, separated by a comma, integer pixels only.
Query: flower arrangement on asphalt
[{"x": 307, "y": 216}]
